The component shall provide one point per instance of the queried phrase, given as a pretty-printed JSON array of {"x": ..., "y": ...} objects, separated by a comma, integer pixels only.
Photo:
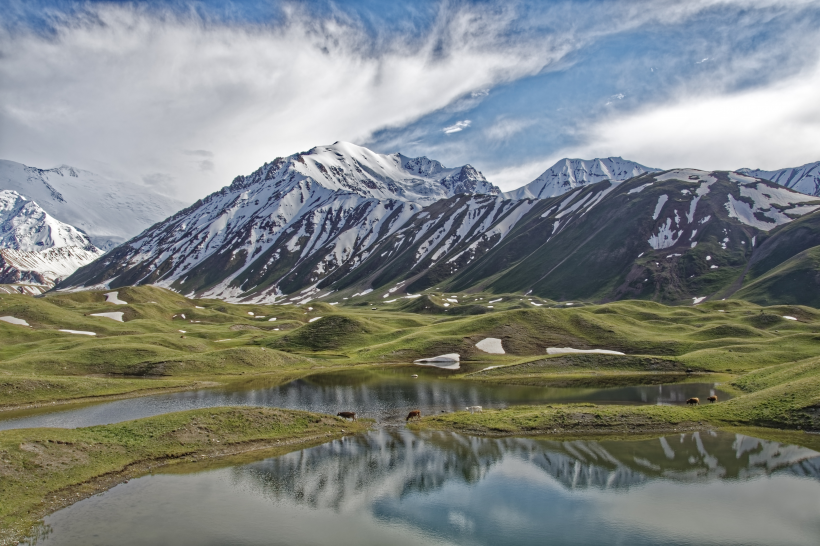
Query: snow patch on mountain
[
  {"x": 761, "y": 214},
  {"x": 568, "y": 174}
]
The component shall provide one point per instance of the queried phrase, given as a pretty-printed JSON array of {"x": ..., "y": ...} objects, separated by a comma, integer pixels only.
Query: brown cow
[
  {"x": 347, "y": 415},
  {"x": 415, "y": 414},
  {"x": 712, "y": 398},
  {"x": 693, "y": 401}
]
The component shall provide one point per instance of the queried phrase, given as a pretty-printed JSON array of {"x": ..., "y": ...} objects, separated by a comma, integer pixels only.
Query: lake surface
[
  {"x": 393, "y": 486},
  {"x": 385, "y": 395}
]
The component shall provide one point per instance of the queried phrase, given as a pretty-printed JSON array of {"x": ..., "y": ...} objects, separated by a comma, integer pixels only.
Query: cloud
[
  {"x": 504, "y": 128},
  {"x": 511, "y": 178},
  {"x": 121, "y": 84},
  {"x": 770, "y": 127},
  {"x": 457, "y": 126}
]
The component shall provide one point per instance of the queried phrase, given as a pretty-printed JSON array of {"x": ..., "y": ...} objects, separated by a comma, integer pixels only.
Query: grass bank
[{"x": 42, "y": 470}]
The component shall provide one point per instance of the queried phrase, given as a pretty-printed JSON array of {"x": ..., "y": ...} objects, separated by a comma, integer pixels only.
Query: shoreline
[{"x": 47, "y": 469}]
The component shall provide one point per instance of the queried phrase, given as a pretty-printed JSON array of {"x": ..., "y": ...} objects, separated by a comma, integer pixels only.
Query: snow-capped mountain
[
  {"x": 315, "y": 224},
  {"x": 27, "y": 227},
  {"x": 805, "y": 179},
  {"x": 108, "y": 211},
  {"x": 568, "y": 174},
  {"x": 285, "y": 227},
  {"x": 36, "y": 248},
  {"x": 43, "y": 267}
]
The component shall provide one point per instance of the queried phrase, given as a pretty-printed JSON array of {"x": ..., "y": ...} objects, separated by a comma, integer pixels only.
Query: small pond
[
  {"x": 393, "y": 486},
  {"x": 383, "y": 394}
]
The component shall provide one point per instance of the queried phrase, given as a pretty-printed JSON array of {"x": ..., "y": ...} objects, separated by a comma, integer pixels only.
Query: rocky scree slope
[{"x": 285, "y": 227}]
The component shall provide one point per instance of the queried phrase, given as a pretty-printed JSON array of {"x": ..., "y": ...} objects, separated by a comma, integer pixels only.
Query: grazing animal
[
  {"x": 415, "y": 414},
  {"x": 347, "y": 415},
  {"x": 474, "y": 409},
  {"x": 693, "y": 401},
  {"x": 414, "y": 376},
  {"x": 712, "y": 398}
]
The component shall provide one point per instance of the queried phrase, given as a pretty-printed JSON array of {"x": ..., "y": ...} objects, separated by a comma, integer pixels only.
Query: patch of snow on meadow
[
  {"x": 14, "y": 320},
  {"x": 449, "y": 361},
  {"x": 314, "y": 319},
  {"x": 788, "y": 318},
  {"x": 117, "y": 315},
  {"x": 112, "y": 297},
  {"x": 570, "y": 350},
  {"x": 495, "y": 301},
  {"x": 80, "y": 332},
  {"x": 490, "y": 345},
  {"x": 698, "y": 300}
]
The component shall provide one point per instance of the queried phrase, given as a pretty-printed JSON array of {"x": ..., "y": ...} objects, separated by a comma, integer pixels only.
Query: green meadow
[
  {"x": 170, "y": 342},
  {"x": 767, "y": 357}
]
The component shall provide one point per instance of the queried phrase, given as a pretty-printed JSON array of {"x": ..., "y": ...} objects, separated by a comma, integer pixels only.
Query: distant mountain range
[
  {"x": 54, "y": 221},
  {"x": 108, "y": 211},
  {"x": 340, "y": 221},
  {"x": 805, "y": 179}
]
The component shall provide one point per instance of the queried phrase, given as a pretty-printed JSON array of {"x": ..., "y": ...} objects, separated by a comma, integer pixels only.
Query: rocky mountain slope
[
  {"x": 340, "y": 221},
  {"x": 287, "y": 226},
  {"x": 805, "y": 179},
  {"x": 108, "y": 211},
  {"x": 568, "y": 174}
]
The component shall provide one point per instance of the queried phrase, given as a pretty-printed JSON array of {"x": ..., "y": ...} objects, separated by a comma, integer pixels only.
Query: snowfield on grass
[
  {"x": 789, "y": 318},
  {"x": 79, "y": 332},
  {"x": 445, "y": 362},
  {"x": 314, "y": 319},
  {"x": 14, "y": 320},
  {"x": 117, "y": 315},
  {"x": 569, "y": 350},
  {"x": 112, "y": 297},
  {"x": 450, "y": 357},
  {"x": 490, "y": 345}
]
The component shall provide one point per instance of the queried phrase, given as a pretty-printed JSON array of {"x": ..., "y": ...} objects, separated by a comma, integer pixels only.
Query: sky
[{"x": 184, "y": 96}]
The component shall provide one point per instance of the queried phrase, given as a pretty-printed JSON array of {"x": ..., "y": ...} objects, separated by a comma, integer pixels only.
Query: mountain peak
[
  {"x": 569, "y": 173},
  {"x": 349, "y": 168},
  {"x": 24, "y": 225}
]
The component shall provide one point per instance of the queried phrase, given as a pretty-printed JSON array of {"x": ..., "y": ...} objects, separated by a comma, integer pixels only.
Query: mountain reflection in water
[{"x": 440, "y": 488}]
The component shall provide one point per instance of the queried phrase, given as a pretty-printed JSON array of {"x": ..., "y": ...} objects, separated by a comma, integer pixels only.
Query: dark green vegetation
[{"x": 45, "y": 469}]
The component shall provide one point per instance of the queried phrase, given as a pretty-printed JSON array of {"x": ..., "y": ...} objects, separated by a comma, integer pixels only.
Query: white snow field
[
  {"x": 14, "y": 320},
  {"x": 115, "y": 315},
  {"x": 79, "y": 332},
  {"x": 113, "y": 297},
  {"x": 569, "y": 350},
  {"x": 451, "y": 361},
  {"x": 490, "y": 345}
]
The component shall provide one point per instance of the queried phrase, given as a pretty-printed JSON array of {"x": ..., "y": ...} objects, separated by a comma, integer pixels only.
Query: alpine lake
[{"x": 394, "y": 485}]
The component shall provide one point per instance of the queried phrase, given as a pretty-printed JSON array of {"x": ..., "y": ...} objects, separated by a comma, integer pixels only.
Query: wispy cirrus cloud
[
  {"x": 141, "y": 90},
  {"x": 457, "y": 126}
]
